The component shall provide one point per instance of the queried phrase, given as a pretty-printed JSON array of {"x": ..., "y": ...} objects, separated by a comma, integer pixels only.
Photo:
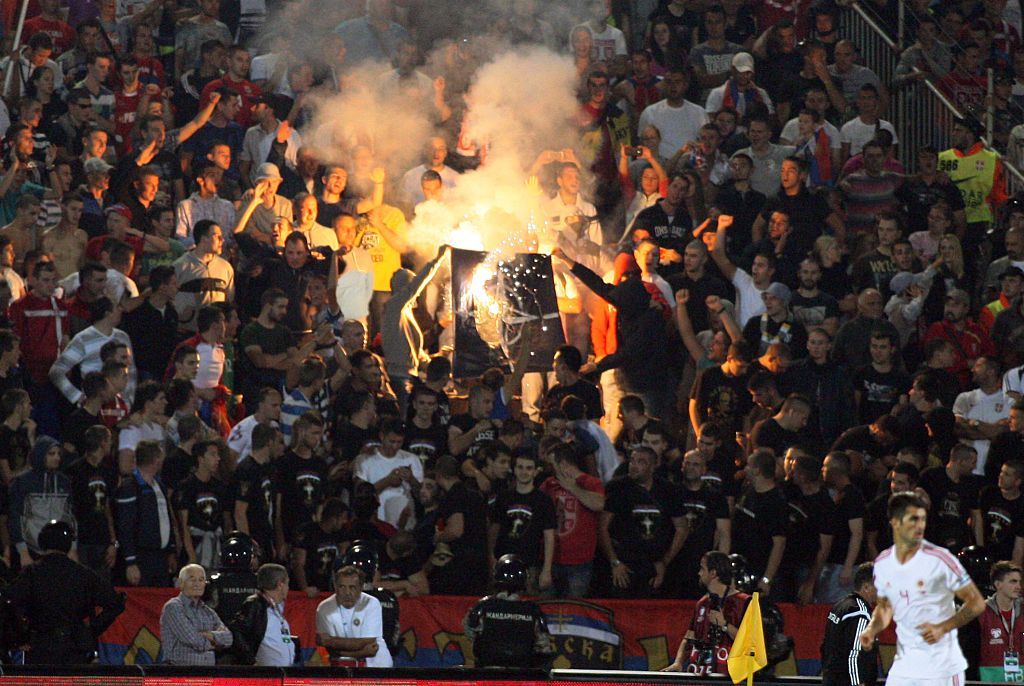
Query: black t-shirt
[
  {"x": 642, "y": 527},
  {"x": 1003, "y": 520},
  {"x": 460, "y": 499},
  {"x": 813, "y": 311},
  {"x": 582, "y": 389},
  {"x": 835, "y": 280},
  {"x": 768, "y": 433},
  {"x": 75, "y": 426},
  {"x": 91, "y": 488},
  {"x": 879, "y": 391},
  {"x": 877, "y": 519},
  {"x": 522, "y": 519},
  {"x": 205, "y": 501},
  {"x": 350, "y": 440},
  {"x": 178, "y": 465},
  {"x": 702, "y": 509},
  {"x": 743, "y": 207},
  {"x": 254, "y": 486},
  {"x": 14, "y": 447},
  {"x": 807, "y": 213},
  {"x": 951, "y": 506},
  {"x": 809, "y": 517},
  {"x": 755, "y": 520},
  {"x": 300, "y": 483},
  {"x": 465, "y": 423},
  {"x": 444, "y": 406},
  {"x": 874, "y": 270},
  {"x": 918, "y": 198},
  {"x": 699, "y": 290},
  {"x": 760, "y": 332},
  {"x": 722, "y": 398},
  {"x": 322, "y": 549},
  {"x": 429, "y": 444},
  {"x": 849, "y": 506},
  {"x": 723, "y": 471},
  {"x": 859, "y": 438},
  {"x": 672, "y": 233}
]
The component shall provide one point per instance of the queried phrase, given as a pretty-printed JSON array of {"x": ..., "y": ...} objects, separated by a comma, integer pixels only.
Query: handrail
[
  {"x": 855, "y": 6},
  {"x": 904, "y": 96}
]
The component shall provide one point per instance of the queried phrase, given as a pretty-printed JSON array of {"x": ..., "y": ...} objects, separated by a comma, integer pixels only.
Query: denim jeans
[{"x": 571, "y": 581}]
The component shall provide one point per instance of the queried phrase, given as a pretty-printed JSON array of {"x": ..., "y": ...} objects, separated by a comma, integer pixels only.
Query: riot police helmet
[
  {"x": 56, "y": 535},
  {"x": 510, "y": 574},
  {"x": 237, "y": 552},
  {"x": 363, "y": 556}
]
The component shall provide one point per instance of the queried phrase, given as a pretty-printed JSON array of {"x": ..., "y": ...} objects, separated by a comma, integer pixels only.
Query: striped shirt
[
  {"x": 866, "y": 196},
  {"x": 182, "y": 622},
  {"x": 294, "y": 405},
  {"x": 84, "y": 352}
]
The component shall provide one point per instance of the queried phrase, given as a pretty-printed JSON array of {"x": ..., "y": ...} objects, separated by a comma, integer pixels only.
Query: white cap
[{"x": 742, "y": 61}]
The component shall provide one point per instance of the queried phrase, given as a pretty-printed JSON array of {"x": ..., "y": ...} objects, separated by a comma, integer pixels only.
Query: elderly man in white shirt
[{"x": 350, "y": 624}]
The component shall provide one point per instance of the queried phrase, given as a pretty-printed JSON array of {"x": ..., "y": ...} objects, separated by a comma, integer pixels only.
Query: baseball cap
[
  {"x": 121, "y": 210},
  {"x": 959, "y": 295},
  {"x": 1012, "y": 271},
  {"x": 901, "y": 282},
  {"x": 742, "y": 61},
  {"x": 779, "y": 290},
  {"x": 267, "y": 170},
  {"x": 95, "y": 165}
]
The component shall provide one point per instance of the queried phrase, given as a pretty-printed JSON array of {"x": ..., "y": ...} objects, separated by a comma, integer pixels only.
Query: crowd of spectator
[{"x": 771, "y": 320}]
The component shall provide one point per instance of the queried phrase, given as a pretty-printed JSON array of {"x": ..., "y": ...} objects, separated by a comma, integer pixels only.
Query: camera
[{"x": 637, "y": 152}]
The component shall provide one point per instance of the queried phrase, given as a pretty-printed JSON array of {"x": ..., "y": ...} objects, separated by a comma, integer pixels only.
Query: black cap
[
  {"x": 56, "y": 535},
  {"x": 1012, "y": 271},
  {"x": 971, "y": 124}
]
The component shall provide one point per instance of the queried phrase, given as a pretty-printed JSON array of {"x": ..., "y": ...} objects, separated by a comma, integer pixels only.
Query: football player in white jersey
[{"x": 917, "y": 583}]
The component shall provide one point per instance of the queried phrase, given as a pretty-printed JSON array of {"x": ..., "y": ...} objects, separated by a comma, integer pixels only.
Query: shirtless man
[
  {"x": 22, "y": 230},
  {"x": 65, "y": 241}
]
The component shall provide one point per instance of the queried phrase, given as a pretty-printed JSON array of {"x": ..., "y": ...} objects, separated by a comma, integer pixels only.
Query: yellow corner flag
[{"x": 748, "y": 653}]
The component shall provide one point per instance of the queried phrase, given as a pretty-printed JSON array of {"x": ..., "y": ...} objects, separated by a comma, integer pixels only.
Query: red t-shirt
[
  {"x": 733, "y": 607},
  {"x": 125, "y": 107},
  {"x": 151, "y": 71},
  {"x": 576, "y": 536},
  {"x": 248, "y": 90},
  {"x": 63, "y": 35}
]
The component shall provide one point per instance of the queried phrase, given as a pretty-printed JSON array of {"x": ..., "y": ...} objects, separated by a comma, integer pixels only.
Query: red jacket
[
  {"x": 994, "y": 639},
  {"x": 36, "y": 322},
  {"x": 968, "y": 345}
]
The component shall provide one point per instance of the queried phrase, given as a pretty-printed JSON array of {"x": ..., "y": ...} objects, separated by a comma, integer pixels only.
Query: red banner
[{"x": 605, "y": 634}]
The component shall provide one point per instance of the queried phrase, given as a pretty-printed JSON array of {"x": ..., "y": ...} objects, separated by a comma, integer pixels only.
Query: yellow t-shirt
[{"x": 386, "y": 259}]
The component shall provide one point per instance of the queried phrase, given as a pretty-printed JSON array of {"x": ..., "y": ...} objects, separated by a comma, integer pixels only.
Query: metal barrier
[{"x": 919, "y": 112}]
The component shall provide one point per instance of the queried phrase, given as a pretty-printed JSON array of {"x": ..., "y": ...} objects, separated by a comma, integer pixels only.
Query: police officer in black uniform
[
  {"x": 843, "y": 663},
  {"x": 507, "y": 631},
  {"x": 58, "y": 598},
  {"x": 363, "y": 556},
  {"x": 235, "y": 580}
]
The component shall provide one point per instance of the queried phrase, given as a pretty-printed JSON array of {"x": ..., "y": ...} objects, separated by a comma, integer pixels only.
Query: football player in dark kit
[
  {"x": 363, "y": 556},
  {"x": 235, "y": 580},
  {"x": 58, "y": 598},
  {"x": 843, "y": 661},
  {"x": 507, "y": 631}
]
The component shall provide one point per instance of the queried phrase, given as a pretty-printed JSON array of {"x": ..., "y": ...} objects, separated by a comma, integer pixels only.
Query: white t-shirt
[
  {"x": 364, "y": 620},
  {"x": 922, "y": 590},
  {"x": 857, "y": 133},
  {"x": 131, "y": 435},
  {"x": 791, "y": 131},
  {"x": 678, "y": 125},
  {"x": 985, "y": 408},
  {"x": 1013, "y": 381},
  {"x": 607, "y": 44},
  {"x": 749, "y": 303},
  {"x": 240, "y": 438},
  {"x": 375, "y": 467},
  {"x": 318, "y": 236},
  {"x": 413, "y": 189}
]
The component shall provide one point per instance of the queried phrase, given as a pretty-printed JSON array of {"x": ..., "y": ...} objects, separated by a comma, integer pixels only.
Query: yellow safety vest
[{"x": 973, "y": 175}]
